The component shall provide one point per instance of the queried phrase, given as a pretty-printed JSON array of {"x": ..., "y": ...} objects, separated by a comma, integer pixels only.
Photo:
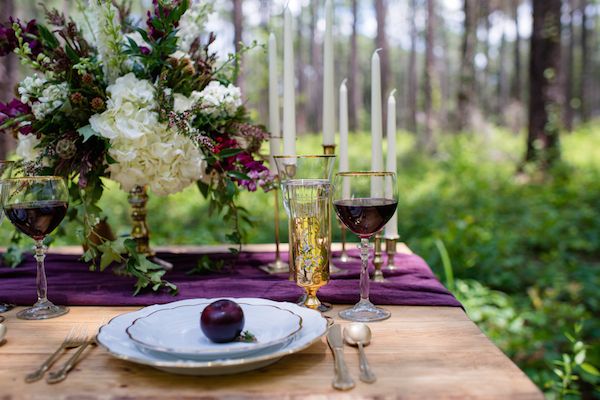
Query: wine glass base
[
  {"x": 42, "y": 310},
  {"x": 365, "y": 311},
  {"x": 4, "y": 307},
  {"x": 322, "y": 307}
]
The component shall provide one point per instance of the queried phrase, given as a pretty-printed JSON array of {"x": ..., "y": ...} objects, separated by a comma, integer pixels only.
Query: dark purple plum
[{"x": 222, "y": 321}]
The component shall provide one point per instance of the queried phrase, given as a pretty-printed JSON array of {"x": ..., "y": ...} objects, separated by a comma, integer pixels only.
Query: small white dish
[
  {"x": 114, "y": 339},
  {"x": 176, "y": 332}
]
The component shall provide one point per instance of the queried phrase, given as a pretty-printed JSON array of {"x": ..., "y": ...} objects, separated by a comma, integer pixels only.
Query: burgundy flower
[
  {"x": 160, "y": 13},
  {"x": 8, "y": 41},
  {"x": 12, "y": 110}
]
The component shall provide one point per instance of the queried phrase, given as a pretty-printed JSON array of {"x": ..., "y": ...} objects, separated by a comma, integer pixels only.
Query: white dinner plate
[
  {"x": 176, "y": 331},
  {"x": 114, "y": 339}
]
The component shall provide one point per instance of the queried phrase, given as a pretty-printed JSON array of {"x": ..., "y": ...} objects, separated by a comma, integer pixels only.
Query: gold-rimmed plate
[{"x": 114, "y": 339}]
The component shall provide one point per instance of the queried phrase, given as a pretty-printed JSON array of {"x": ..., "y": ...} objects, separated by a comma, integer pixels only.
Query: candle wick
[
  {"x": 392, "y": 92},
  {"x": 378, "y": 50},
  {"x": 344, "y": 81}
]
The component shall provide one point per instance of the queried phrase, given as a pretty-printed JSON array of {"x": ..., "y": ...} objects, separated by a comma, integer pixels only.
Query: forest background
[{"x": 498, "y": 153}]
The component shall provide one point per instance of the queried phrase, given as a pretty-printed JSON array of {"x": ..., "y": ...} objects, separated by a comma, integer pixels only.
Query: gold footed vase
[{"x": 138, "y": 197}]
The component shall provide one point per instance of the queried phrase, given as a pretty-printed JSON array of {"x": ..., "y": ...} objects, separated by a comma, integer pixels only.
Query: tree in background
[
  {"x": 238, "y": 27},
  {"x": 354, "y": 78},
  {"x": 516, "y": 88},
  {"x": 467, "y": 92},
  {"x": 428, "y": 140},
  {"x": 412, "y": 71},
  {"x": 545, "y": 98}
]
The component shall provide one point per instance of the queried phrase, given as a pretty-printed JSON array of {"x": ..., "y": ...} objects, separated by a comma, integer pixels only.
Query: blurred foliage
[{"x": 524, "y": 249}]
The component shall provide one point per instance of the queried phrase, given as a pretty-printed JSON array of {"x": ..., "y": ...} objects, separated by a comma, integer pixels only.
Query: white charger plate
[
  {"x": 114, "y": 339},
  {"x": 176, "y": 331}
]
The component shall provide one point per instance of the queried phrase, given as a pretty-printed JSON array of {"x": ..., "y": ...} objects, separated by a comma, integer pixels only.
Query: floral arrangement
[{"x": 143, "y": 104}]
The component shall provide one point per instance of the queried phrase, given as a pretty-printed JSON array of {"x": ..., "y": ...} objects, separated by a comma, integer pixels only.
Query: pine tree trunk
[
  {"x": 585, "y": 81},
  {"x": 467, "y": 92},
  {"x": 238, "y": 26},
  {"x": 543, "y": 146},
  {"x": 354, "y": 78},
  {"x": 428, "y": 139},
  {"x": 568, "y": 79},
  {"x": 502, "y": 89},
  {"x": 483, "y": 88},
  {"x": 516, "y": 89},
  {"x": 384, "y": 54},
  {"x": 8, "y": 78},
  {"x": 412, "y": 71}
]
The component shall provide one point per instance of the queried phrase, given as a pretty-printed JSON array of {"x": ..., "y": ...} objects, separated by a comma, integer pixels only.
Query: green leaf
[
  {"x": 590, "y": 369},
  {"x": 48, "y": 39},
  {"x": 580, "y": 357},
  {"x": 238, "y": 175},
  {"x": 72, "y": 54},
  {"x": 230, "y": 153},
  {"x": 87, "y": 132}
]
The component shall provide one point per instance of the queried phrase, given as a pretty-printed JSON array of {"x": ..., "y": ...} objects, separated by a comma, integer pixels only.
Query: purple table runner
[{"x": 71, "y": 283}]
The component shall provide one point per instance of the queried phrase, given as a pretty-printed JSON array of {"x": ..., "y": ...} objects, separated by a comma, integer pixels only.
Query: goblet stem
[
  {"x": 40, "y": 280},
  {"x": 364, "y": 269}
]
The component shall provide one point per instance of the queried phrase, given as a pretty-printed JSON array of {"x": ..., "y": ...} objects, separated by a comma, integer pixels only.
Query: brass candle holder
[
  {"x": 277, "y": 266},
  {"x": 138, "y": 197},
  {"x": 378, "y": 260},
  {"x": 390, "y": 250},
  {"x": 329, "y": 149}
]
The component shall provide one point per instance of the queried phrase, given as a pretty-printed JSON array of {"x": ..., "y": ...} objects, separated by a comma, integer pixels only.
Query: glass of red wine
[
  {"x": 6, "y": 168},
  {"x": 365, "y": 202},
  {"x": 36, "y": 205}
]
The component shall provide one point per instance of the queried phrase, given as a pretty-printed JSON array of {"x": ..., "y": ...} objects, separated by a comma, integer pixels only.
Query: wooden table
[{"x": 419, "y": 353}]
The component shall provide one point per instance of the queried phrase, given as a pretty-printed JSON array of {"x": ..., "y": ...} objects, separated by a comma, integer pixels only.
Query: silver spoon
[
  {"x": 359, "y": 335},
  {"x": 2, "y": 330}
]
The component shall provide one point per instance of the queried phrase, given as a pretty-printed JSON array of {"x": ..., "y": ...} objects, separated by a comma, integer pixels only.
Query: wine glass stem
[
  {"x": 41, "y": 282},
  {"x": 364, "y": 270}
]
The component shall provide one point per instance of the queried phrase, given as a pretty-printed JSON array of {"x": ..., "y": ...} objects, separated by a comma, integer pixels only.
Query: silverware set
[
  {"x": 78, "y": 338},
  {"x": 356, "y": 334}
]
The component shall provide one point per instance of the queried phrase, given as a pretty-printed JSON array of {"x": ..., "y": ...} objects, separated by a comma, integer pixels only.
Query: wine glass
[
  {"x": 5, "y": 173},
  {"x": 36, "y": 205},
  {"x": 365, "y": 202}
]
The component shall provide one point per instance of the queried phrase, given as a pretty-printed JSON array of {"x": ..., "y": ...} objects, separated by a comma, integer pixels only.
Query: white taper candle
[
  {"x": 289, "y": 93},
  {"x": 328, "y": 85},
  {"x": 274, "y": 117},
  {"x": 391, "y": 228},
  {"x": 376, "y": 125},
  {"x": 344, "y": 164}
]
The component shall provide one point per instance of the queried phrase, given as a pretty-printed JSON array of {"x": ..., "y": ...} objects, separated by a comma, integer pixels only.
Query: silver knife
[{"x": 342, "y": 380}]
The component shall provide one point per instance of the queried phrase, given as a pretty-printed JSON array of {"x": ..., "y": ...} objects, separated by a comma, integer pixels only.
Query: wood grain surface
[{"x": 420, "y": 353}]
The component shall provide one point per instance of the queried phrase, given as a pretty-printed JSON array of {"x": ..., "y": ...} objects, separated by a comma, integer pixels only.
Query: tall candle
[
  {"x": 344, "y": 165},
  {"x": 376, "y": 125},
  {"x": 328, "y": 85},
  {"x": 289, "y": 95},
  {"x": 391, "y": 228},
  {"x": 274, "y": 120}
]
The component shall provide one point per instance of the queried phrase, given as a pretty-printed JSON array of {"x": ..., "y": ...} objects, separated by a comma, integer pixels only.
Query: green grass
[{"x": 525, "y": 255}]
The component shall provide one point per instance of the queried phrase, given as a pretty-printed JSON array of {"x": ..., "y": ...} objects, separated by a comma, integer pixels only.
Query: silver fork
[
  {"x": 74, "y": 338},
  {"x": 61, "y": 373}
]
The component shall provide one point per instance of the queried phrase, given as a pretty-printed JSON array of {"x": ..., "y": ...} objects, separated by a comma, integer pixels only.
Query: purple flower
[
  {"x": 15, "y": 109},
  {"x": 8, "y": 40}
]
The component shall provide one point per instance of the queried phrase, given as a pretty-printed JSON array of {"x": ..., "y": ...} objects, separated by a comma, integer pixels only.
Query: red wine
[
  {"x": 365, "y": 216},
  {"x": 36, "y": 219}
]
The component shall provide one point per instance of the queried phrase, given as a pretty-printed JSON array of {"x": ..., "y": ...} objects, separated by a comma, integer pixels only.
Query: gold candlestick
[
  {"x": 390, "y": 250},
  {"x": 329, "y": 149},
  {"x": 378, "y": 260},
  {"x": 138, "y": 197},
  {"x": 277, "y": 266}
]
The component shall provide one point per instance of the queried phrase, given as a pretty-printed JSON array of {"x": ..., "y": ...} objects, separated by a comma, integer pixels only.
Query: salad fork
[{"x": 75, "y": 338}]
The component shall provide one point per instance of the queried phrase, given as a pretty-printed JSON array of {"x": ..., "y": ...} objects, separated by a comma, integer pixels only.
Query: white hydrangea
[
  {"x": 219, "y": 100},
  {"x": 27, "y": 147},
  {"x": 191, "y": 24},
  {"x": 182, "y": 103},
  {"x": 53, "y": 96},
  {"x": 147, "y": 151}
]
